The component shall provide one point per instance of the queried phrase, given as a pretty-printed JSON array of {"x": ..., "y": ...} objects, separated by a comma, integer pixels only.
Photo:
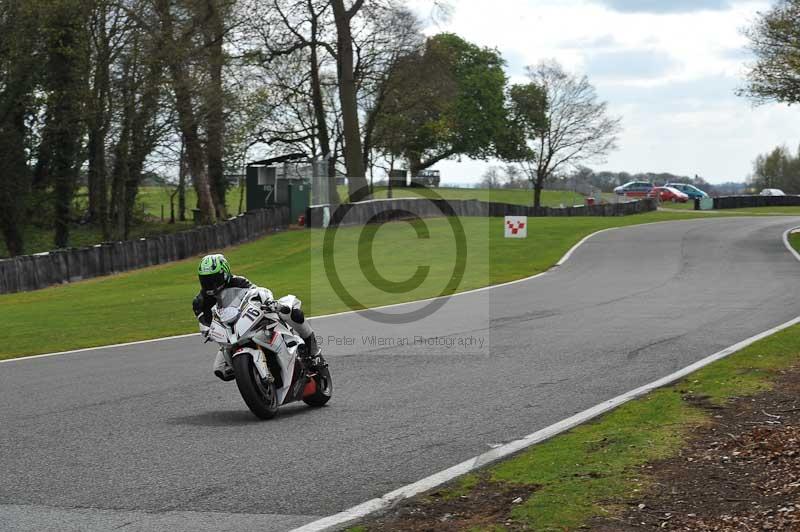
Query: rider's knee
[{"x": 297, "y": 315}]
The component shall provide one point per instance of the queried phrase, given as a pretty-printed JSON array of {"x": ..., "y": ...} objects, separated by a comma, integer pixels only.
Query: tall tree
[
  {"x": 444, "y": 101},
  {"x": 177, "y": 46},
  {"x": 777, "y": 169},
  {"x": 20, "y": 60},
  {"x": 65, "y": 83},
  {"x": 214, "y": 13},
  {"x": 775, "y": 41},
  {"x": 348, "y": 96},
  {"x": 575, "y": 128}
]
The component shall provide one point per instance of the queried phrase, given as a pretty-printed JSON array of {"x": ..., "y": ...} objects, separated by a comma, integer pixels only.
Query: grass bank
[
  {"x": 155, "y": 302},
  {"x": 595, "y": 469}
]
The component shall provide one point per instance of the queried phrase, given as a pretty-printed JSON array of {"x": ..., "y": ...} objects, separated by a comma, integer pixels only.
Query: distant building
[{"x": 427, "y": 178}]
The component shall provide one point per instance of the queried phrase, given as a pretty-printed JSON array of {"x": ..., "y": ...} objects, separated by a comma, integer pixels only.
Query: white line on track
[{"x": 361, "y": 511}]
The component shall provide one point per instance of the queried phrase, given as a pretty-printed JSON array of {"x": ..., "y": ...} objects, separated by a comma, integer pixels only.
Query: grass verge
[{"x": 593, "y": 470}]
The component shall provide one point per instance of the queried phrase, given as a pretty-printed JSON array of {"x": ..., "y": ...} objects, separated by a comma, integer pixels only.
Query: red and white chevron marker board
[{"x": 516, "y": 227}]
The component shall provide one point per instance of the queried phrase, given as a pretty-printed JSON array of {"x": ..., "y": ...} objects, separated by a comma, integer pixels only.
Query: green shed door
[{"x": 299, "y": 199}]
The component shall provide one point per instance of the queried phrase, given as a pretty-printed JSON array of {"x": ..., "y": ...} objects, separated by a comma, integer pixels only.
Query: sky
[{"x": 668, "y": 68}]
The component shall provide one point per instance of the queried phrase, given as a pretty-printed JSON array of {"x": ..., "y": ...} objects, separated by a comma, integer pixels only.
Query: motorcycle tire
[
  {"x": 260, "y": 396},
  {"x": 324, "y": 388}
]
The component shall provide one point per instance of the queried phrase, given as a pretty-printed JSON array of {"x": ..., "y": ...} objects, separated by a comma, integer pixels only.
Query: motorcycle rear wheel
[
  {"x": 259, "y": 395},
  {"x": 324, "y": 388}
]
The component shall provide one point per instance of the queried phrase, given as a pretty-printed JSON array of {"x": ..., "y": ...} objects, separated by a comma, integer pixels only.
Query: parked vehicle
[
  {"x": 772, "y": 192},
  {"x": 634, "y": 189},
  {"x": 669, "y": 194},
  {"x": 690, "y": 190},
  {"x": 270, "y": 361}
]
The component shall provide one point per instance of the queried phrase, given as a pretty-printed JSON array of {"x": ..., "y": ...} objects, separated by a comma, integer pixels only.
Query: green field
[
  {"x": 152, "y": 199},
  {"x": 155, "y": 302}
]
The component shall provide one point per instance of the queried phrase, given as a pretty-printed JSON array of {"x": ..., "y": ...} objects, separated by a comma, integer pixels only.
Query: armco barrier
[
  {"x": 744, "y": 202},
  {"x": 376, "y": 211},
  {"x": 31, "y": 272}
]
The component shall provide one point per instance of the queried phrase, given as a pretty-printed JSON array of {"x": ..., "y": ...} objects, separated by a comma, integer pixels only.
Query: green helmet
[{"x": 214, "y": 273}]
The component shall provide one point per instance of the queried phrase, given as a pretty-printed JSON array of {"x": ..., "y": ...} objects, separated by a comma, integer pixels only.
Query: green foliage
[
  {"x": 777, "y": 169},
  {"x": 775, "y": 41},
  {"x": 528, "y": 113},
  {"x": 447, "y": 100}
]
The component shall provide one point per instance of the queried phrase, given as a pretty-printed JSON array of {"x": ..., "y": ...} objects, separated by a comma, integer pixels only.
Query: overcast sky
[{"x": 669, "y": 68}]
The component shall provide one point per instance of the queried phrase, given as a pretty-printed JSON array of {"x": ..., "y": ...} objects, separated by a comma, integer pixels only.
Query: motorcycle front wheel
[
  {"x": 324, "y": 388},
  {"x": 259, "y": 395}
]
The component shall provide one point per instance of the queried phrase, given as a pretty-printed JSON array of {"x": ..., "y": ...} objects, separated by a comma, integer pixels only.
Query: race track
[{"x": 144, "y": 437}]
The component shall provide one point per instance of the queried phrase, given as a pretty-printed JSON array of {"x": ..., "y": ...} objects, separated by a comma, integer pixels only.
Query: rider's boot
[
  {"x": 313, "y": 352},
  {"x": 222, "y": 369}
]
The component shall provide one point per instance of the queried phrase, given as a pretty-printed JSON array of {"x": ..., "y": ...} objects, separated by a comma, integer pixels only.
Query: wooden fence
[
  {"x": 744, "y": 202},
  {"x": 31, "y": 272}
]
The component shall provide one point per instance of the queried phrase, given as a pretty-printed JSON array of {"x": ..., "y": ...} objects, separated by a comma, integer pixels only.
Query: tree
[
  {"x": 213, "y": 14},
  {"x": 20, "y": 57},
  {"x": 443, "y": 101},
  {"x": 67, "y": 70},
  {"x": 576, "y": 127},
  {"x": 777, "y": 169},
  {"x": 348, "y": 97},
  {"x": 775, "y": 41},
  {"x": 176, "y": 29},
  {"x": 492, "y": 178}
]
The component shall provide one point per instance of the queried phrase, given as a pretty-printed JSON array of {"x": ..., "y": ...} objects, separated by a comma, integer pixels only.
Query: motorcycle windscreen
[{"x": 231, "y": 297}]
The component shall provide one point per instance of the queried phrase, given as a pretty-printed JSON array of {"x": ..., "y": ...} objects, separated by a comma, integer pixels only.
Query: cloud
[
  {"x": 666, "y": 6},
  {"x": 628, "y": 64}
]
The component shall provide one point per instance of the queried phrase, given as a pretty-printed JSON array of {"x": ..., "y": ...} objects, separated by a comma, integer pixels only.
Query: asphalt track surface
[{"x": 144, "y": 437}]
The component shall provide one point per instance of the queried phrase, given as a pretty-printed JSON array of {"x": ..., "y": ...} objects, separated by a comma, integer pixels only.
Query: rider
[{"x": 215, "y": 275}]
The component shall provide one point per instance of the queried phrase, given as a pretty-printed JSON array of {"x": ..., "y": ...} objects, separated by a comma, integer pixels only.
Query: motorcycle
[{"x": 271, "y": 362}]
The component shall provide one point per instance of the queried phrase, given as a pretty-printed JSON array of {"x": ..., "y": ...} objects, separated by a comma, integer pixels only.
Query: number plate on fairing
[{"x": 249, "y": 317}]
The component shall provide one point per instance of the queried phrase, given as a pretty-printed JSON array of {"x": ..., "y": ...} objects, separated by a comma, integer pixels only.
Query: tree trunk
[
  {"x": 320, "y": 116},
  {"x": 187, "y": 121},
  {"x": 415, "y": 165},
  {"x": 538, "y": 185},
  {"x": 65, "y": 71},
  {"x": 215, "y": 122},
  {"x": 98, "y": 130},
  {"x": 182, "y": 184},
  {"x": 348, "y": 98},
  {"x": 142, "y": 137},
  {"x": 119, "y": 177},
  {"x": 15, "y": 178},
  {"x": 15, "y": 106}
]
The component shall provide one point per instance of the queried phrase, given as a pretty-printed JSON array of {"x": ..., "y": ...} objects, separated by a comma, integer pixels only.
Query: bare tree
[{"x": 576, "y": 126}]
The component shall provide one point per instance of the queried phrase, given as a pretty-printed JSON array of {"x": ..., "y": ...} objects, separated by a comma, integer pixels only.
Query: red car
[{"x": 669, "y": 194}]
